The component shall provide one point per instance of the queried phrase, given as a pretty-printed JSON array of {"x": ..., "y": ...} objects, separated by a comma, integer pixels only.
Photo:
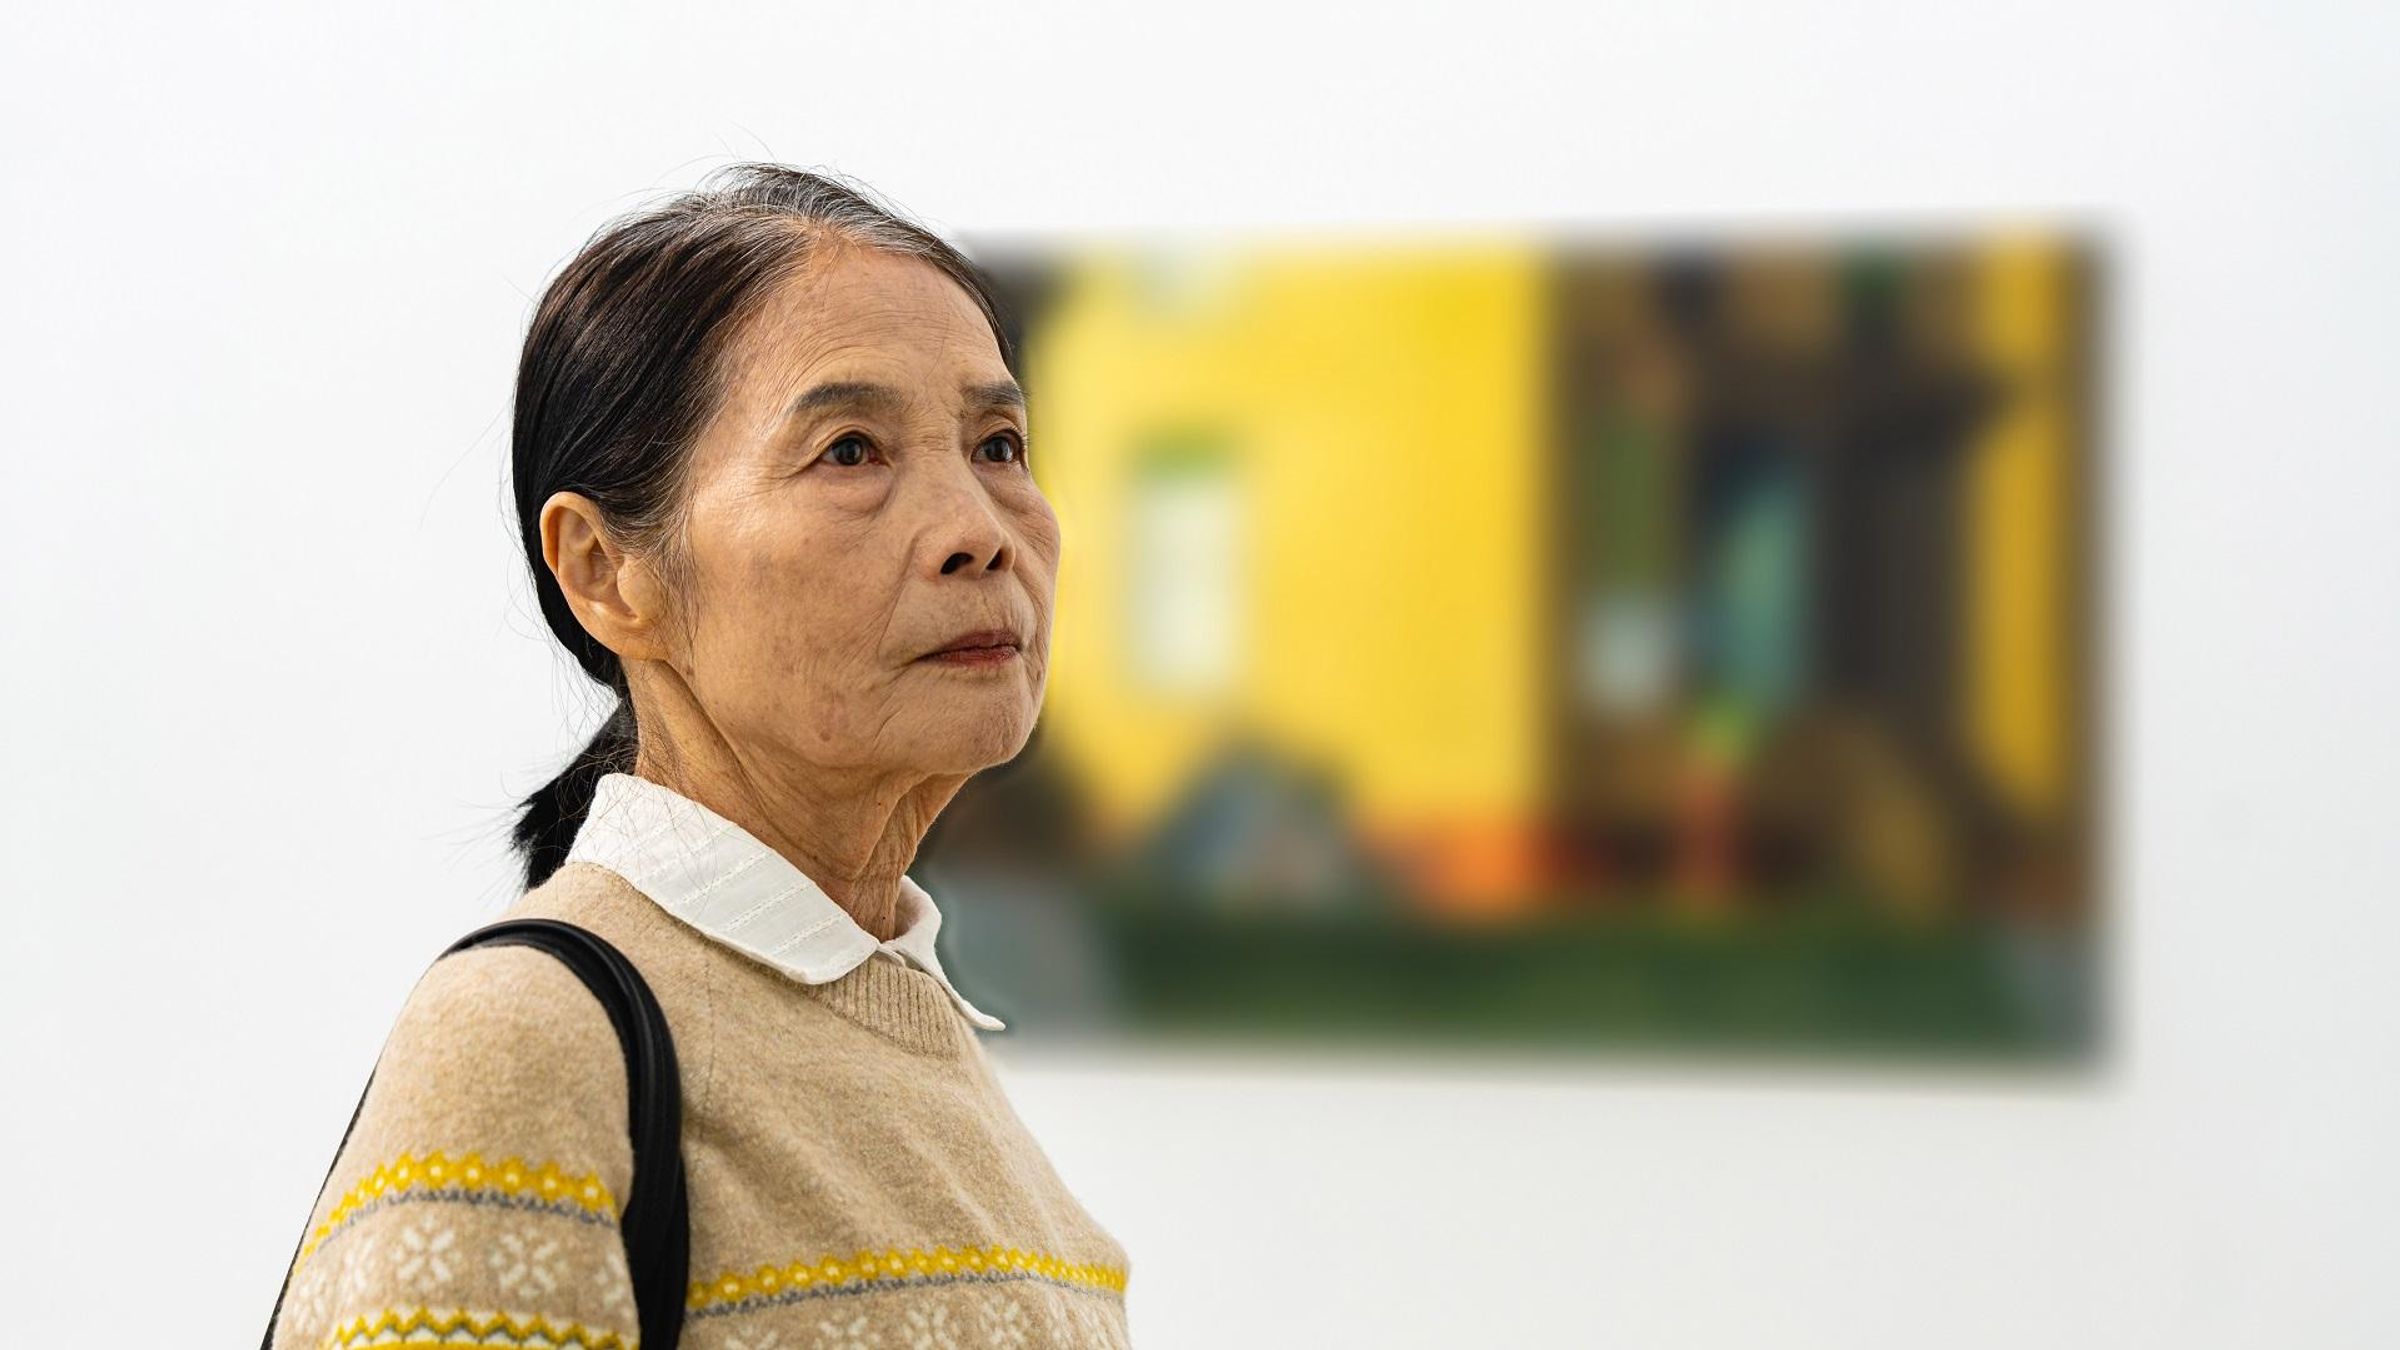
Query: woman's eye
[
  {"x": 1013, "y": 442},
  {"x": 835, "y": 451}
]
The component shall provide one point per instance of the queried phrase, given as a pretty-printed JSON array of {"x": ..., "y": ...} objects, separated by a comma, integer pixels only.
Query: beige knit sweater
[{"x": 856, "y": 1175}]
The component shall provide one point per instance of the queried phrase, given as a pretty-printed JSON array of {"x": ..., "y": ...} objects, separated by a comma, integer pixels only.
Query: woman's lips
[
  {"x": 989, "y": 648},
  {"x": 983, "y": 646},
  {"x": 975, "y": 656}
]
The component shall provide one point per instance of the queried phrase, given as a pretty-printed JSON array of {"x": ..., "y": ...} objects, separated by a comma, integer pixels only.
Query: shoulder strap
[{"x": 656, "y": 1222}]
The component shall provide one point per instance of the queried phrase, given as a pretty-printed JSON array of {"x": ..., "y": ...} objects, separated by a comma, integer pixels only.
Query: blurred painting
[{"x": 1678, "y": 644}]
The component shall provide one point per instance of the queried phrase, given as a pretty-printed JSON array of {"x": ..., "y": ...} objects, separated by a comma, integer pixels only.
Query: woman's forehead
[
  {"x": 892, "y": 321},
  {"x": 871, "y": 297}
]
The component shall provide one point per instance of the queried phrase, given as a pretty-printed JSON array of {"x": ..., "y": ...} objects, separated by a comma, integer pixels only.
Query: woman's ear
[{"x": 616, "y": 596}]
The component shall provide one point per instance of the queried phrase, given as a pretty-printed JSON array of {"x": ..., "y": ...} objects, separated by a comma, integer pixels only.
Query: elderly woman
[{"x": 771, "y": 473}]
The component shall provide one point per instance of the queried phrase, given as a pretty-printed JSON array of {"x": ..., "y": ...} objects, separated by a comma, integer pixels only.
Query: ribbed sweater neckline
[{"x": 898, "y": 1002}]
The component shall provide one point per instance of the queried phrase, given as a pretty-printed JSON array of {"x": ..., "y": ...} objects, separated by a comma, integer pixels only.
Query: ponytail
[{"x": 554, "y": 814}]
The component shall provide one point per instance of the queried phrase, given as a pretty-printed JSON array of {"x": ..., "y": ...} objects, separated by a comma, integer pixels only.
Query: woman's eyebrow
[
  {"x": 867, "y": 396},
  {"x": 996, "y": 394}
]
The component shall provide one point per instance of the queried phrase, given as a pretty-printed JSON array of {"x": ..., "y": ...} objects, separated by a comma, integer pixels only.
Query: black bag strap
[{"x": 657, "y": 1220}]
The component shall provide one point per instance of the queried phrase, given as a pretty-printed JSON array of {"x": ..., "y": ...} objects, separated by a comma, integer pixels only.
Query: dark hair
[{"x": 622, "y": 368}]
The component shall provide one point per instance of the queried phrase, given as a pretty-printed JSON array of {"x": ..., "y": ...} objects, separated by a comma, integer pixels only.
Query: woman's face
[{"x": 861, "y": 500}]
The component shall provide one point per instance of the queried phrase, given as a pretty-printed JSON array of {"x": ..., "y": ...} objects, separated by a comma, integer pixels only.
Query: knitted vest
[{"x": 856, "y": 1175}]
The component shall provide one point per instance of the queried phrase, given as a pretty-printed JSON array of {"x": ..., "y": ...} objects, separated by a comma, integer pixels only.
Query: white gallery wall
[{"x": 274, "y": 677}]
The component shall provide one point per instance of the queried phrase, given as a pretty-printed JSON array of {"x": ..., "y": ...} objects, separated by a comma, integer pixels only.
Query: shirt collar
[{"x": 716, "y": 876}]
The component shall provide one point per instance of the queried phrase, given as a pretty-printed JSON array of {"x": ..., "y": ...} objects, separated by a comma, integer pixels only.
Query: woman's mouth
[
  {"x": 975, "y": 656},
  {"x": 985, "y": 647}
]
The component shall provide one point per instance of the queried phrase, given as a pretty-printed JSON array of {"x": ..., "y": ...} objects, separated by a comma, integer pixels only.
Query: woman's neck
[{"x": 855, "y": 836}]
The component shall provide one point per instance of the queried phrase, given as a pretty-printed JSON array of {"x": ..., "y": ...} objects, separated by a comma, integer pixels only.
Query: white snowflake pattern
[
  {"x": 765, "y": 1338},
  {"x": 426, "y": 1254},
  {"x": 526, "y": 1265},
  {"x": 362, "y": 1261},
  {"x": 304, "y": 1303},
  {"x": 929, "y": 1328},
  {"x": 616, "y": 1299},
  {"x": 853, "y": 1335},
  {"x": 1004, "y": 1323}
]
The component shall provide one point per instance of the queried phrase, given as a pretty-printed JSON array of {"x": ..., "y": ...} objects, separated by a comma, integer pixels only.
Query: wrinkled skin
[{"x": 827, "y": 553}]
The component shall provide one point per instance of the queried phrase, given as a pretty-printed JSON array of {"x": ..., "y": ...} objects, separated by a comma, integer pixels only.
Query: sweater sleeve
[{"x": 478, "y": 1198}]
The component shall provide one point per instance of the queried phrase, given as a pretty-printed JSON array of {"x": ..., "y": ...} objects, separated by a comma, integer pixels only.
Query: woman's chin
[{"x": 971, "y": 744}]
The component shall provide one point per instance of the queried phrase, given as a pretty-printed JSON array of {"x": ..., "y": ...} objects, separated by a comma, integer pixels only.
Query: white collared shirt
[{"x": 716, "y": 876}]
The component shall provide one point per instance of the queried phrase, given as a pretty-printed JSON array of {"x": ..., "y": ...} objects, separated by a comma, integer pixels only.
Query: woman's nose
[{"x": 967, "y": 534}]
